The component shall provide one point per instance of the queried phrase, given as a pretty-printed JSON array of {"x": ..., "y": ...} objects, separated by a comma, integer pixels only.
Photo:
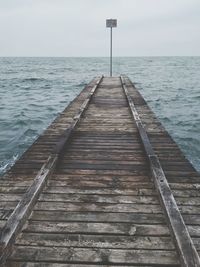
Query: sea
[{"x": 33, "y": 91}]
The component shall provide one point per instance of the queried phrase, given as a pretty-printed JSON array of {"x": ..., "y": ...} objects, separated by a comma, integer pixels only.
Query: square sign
[{"x": 111, "y": 23}]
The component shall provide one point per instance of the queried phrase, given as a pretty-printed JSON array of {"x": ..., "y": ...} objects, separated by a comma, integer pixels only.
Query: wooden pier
[{"x": 104, "y": 185}]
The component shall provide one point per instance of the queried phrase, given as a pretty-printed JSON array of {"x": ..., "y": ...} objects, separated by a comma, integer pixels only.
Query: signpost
[{"x": 111, "y": 23}]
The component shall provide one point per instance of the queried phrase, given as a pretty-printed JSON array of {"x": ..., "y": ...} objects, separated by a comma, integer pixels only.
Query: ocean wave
[
  {"x": 4, "y": 167},
  {"x": 82, "y": 84},
  {"x": 33, "y": 79},
  {"x": 7, "y": 164},
  {"x": 31, "y": 132}
]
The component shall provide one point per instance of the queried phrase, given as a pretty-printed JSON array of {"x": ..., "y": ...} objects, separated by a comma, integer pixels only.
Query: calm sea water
[{"x": 34, "y": 90}]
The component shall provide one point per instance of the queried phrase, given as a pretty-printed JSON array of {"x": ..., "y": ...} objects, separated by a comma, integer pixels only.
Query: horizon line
[{"x": 97, "y": 56}]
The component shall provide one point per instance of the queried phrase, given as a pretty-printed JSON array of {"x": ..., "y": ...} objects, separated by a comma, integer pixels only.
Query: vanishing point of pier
[{"x": 104, "y": 185}]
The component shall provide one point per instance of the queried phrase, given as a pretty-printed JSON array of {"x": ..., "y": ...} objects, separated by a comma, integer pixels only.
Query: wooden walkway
[{"x": 91, "y": 192}]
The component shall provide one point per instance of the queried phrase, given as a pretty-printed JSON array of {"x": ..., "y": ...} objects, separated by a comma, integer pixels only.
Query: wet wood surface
[{"x": 100, "y": 206}]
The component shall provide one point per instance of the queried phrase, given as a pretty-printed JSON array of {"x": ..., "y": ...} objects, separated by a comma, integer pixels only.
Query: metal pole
[
  {"x": 111, "y": 23},
  {"x": 110, "y": 51}
]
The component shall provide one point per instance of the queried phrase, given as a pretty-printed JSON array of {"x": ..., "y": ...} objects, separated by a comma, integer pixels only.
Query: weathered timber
[
  {"x": 187, "y": 251},
  {"x": 97, "y": 256},
  {"x": 25, "y": 206},
  {"x": 100, "y": 207}
]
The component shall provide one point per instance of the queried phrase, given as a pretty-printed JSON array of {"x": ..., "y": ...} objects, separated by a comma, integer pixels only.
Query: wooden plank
[
  {"x": 138, "y": 189},
  {"x": 143, "y": 208},
  {"x": 100, "y": 256},
  {"x": 134, "y": 179},
  {"x": 87, "y": 198},
  {"x": 62, "y": 187},
  {"x": 139, "y": 168},
  {"x": 96, "y": 241},
  {"x": 102, "y": 172},
  {"x": 46, "y": 264},
  {"x": 128, "y": 229},
  {"x": 98, "y": 217},
  {"x": 185, "y": 246},
  {"x": 109, "y": 207}
]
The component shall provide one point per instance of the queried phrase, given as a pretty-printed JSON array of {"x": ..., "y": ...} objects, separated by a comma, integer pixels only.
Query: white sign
[{"x": 111, "y": 23}]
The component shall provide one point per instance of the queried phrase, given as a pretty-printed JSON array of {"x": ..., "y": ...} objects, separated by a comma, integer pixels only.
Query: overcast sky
[{"x": 77, "y": 27}]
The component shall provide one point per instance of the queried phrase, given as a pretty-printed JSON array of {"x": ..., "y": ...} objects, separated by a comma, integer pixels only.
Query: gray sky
[{"x": 77, "y": 27}]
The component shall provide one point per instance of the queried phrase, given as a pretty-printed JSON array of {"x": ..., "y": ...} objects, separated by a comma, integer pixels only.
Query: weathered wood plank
[
  {"x": 128, "y": 229},
  {"x": 100, "y": 256},
  {"x": 133, "y": 179},
  {"x": 96, "y": 241},
  {"x": 99, "y": 241},
  {"x": 102, "y": 172},
  {"x": 85, "y": 216},
  {"x": 46, "y": 264},
  {"x": 144, "y": 208}
]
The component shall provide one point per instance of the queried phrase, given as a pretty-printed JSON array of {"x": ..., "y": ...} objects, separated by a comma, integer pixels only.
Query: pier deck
[{"x": 102, "y": 199}]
